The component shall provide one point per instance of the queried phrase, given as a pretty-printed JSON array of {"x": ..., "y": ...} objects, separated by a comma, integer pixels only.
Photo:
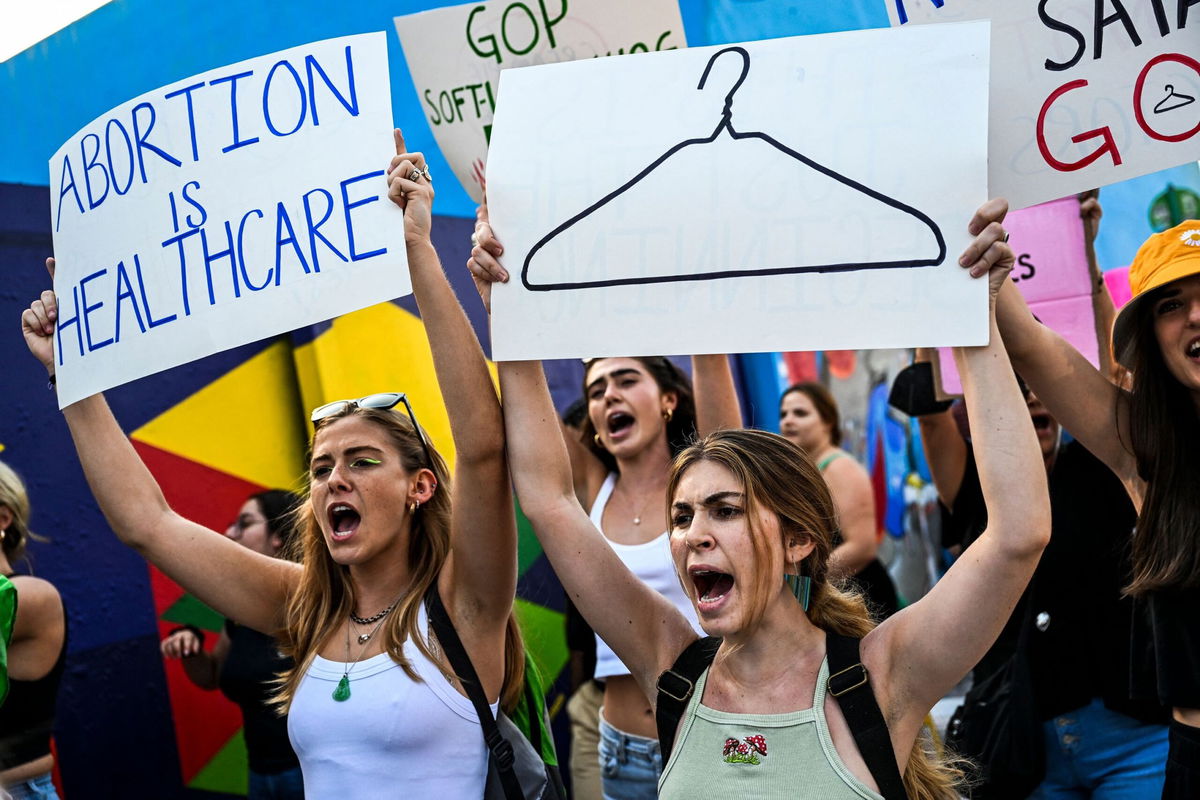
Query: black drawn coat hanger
[
  {"x": 1173, "y": 100},
  {"x": 726, "y": 125}
]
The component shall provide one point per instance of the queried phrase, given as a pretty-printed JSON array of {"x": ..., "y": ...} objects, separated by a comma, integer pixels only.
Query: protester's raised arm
[
  {"x": 250, "y": 587},
  {"x": 643, "y": 628},
  {"x": 481, "y": 576},
  {"x": 934, "y": 642},
  {"x": 717, "y": 406},
  {"x": 1075, "y": 392}
]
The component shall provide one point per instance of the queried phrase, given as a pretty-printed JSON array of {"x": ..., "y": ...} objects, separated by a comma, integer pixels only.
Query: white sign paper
[
  {"x": 240, "y": 203},
  {"x": 794, "y": 194},
  {"x": 456, "y": 54},
  {"x": 1083, "y": 93}
]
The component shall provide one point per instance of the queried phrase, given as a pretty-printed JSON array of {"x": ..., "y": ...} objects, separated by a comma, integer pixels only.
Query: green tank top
[
  {"x": 719, "y": 755},
  {"x": 829, "y": 459}
]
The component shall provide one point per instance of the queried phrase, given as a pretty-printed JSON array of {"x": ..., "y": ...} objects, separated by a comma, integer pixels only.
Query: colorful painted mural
[{"x": 130, "y": 725}]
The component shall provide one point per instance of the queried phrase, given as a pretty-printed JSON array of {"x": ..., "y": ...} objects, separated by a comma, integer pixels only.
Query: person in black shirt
[
  {"x": 243, "y": 663},
  {"x": 1097, "y": 741}
]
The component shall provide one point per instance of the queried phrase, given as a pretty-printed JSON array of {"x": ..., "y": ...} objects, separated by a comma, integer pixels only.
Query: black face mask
[{"x": 913, "y": 392}]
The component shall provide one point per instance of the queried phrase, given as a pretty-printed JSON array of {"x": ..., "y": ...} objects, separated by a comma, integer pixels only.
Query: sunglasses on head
[{"x": 383, "y": 401}]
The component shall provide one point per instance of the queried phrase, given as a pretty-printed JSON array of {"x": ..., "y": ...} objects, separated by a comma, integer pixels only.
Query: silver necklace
[
  {"x": 342, "y": 691},
  {"x": 637, "y": 519},
  {"x": 374, "y": 618}
]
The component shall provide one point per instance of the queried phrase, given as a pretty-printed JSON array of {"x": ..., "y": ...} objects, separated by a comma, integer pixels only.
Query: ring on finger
[
  {"x": 1006, "y": 235},
  {"x": 474, "y": 239},
  {"x": 414, "y": 175}
]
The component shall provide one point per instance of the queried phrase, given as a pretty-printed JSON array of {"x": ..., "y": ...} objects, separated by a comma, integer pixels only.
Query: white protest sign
[
  {"x": 793, "y": 194},
  {"x": 240, "y": 203},
  {"x": 1084, "y": 93},
  {"x": 456, "y": 54}
]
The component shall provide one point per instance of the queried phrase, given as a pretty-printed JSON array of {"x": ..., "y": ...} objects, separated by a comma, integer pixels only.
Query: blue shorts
[{"x": 629, "y": 765}]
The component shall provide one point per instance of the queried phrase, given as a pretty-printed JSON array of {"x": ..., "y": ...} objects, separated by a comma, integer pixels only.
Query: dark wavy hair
[
  {"x": 825, "y": 405},
  {"x": 1164, "y": 431},
  {"x": 279, "y": 507},
  {"x": 681, "y": 428}
]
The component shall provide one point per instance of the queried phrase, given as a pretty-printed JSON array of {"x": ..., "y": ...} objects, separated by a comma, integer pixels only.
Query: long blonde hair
[
  {"x": 778, "y": 476},
  {"x": 325, "y": 595}
]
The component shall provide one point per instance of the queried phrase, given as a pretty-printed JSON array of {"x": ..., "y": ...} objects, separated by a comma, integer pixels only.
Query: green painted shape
[
  {"x": 227, "y": 771},
  {"x": 187, "y": 610},
  {"x": 545, "y": 637},
  {"x": 529, "y": 549}
]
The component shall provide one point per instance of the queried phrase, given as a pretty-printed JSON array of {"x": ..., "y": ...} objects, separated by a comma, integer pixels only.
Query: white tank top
[
  {"x": 393, "y": 737},
  {"x": 652, "y": 563}
]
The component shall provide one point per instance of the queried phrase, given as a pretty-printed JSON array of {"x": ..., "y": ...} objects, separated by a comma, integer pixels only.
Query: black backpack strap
[
  {"x": 850, "y": 684},
  {"x": 675, "y": 687},
  {"x": 499, "y": 749}
]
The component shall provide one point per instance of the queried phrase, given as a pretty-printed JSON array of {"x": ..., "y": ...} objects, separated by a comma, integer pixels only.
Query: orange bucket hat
[{"x": 1164, "y": 257}]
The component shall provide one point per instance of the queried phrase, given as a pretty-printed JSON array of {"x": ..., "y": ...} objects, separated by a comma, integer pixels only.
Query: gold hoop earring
[
  {"x": 668, "y": 413},
  {"x": 413, "y": 506},
  {"x": 596, "y": 439}
]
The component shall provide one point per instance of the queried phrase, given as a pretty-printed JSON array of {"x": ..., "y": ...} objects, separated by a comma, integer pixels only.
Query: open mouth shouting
[
  {"x": 343, "y": 521},
  {"x": 1042, "y": 423},
  {"x": 620, "y": 425},
  {"x": 712, "y": 587},
  {"x": 1192, "y": 351}
]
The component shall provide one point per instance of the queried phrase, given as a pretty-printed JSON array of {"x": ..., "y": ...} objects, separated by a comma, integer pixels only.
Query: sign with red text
[
  {"x": 455, "y": 56},
  {"x": 237, "y": 204},
  {"x": 1084, "y": 93},
  {"x": 1054, "y": 276},
  {"x": 785, "y": 194}
]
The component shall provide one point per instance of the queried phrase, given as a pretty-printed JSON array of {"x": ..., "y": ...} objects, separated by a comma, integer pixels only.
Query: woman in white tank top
[
  {"x": 373, "y": 711},
  {"x": 750, "y": 510}
]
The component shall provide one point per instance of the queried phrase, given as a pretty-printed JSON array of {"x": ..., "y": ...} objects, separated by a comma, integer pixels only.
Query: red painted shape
[
  {"x": 842, "y": 363},
  {"x": 879, "y": 483},
  {"x": 801, "y": 367},
  {"x": 204, "y": 720}
]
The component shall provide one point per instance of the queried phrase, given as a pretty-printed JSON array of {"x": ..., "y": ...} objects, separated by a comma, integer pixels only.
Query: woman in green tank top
[{"x": 748, "y": 509}]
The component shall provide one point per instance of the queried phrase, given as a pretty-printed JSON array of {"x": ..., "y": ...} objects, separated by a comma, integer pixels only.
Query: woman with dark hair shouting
[{"x": 373, "y": 704}]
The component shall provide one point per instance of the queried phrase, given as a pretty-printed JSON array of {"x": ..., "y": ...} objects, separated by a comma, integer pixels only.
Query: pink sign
[
  {"x": 1117, "y": 281},
  {"x": 1052, "y": 273}
]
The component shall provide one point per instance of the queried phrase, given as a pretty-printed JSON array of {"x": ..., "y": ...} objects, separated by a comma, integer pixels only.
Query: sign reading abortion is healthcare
[{"x": 240, "y": 203}]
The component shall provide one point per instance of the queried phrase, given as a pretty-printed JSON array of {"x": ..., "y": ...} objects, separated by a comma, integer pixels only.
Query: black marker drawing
[
  {"x": 909, "y": 214},
  {"x": 1173, "y": 100}
]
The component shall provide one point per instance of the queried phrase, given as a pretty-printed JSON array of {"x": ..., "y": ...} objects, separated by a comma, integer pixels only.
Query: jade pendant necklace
[{"x": 342, "y": 692}]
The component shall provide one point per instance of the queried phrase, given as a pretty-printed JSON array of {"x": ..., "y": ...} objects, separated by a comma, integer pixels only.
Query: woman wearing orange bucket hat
[{"x": 1149, "y": 435}]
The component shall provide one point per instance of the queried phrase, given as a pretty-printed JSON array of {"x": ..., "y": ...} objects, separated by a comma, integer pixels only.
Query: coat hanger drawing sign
[{"x": 707, "y": 172}]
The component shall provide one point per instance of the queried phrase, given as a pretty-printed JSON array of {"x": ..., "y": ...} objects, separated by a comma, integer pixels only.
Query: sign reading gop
[
  {"x": 1084, "y": 93},
  {"x": 237, "y": 204},
  {"x": 787, "y": 194},
  {"x": 455, "y": 56}
]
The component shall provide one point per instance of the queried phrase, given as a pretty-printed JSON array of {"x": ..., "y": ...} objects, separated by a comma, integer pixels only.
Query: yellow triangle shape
[
  {"x": 247, "y": 423},
  {"x": 378, "y": 349}
]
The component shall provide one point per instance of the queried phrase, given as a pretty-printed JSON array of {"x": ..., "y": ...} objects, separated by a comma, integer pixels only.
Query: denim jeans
[
  {"x": 1094, "y": 752},
  {"x": 288, "y": 785},
  {"x": 39, "y": 787},
  {"x": 629, "y": 765}
]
